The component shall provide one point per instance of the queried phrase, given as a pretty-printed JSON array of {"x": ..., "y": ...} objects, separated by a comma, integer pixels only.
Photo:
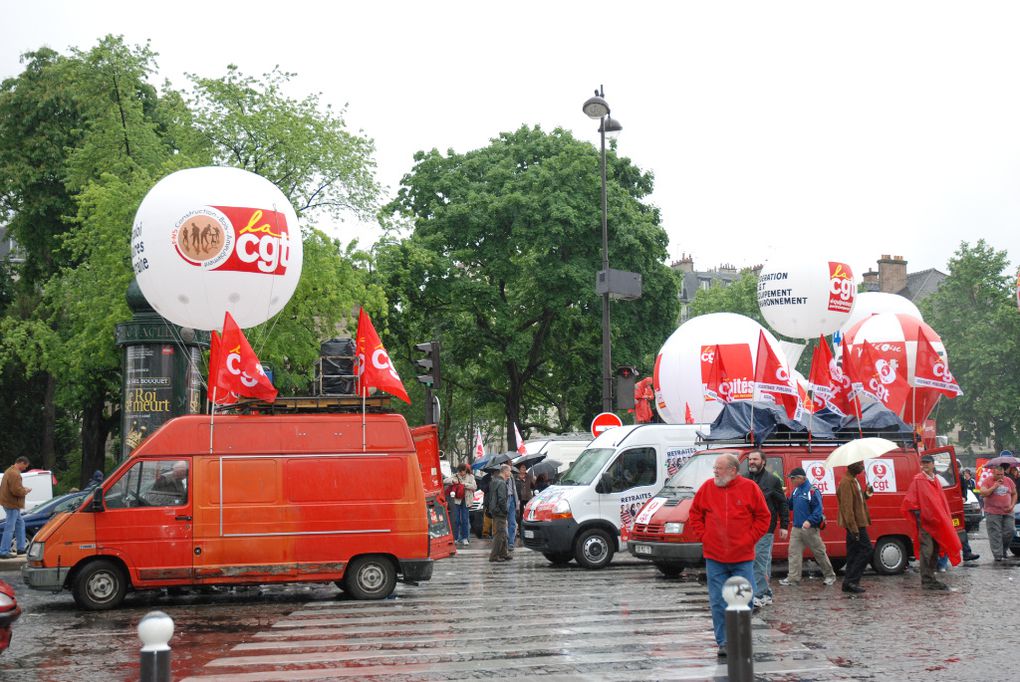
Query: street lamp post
[{"x": 596, "y": 107}]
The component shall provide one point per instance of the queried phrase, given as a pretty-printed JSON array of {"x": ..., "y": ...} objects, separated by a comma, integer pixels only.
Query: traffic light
[
  {"x": 626, "y": 375},
  {"x": 430, "y": 363}
]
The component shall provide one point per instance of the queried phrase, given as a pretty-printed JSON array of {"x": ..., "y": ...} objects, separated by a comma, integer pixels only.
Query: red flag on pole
[
  {"x": 520, "y": 441},
  {"x": 688, "y": 417},
  {"x": 372, "y": 364},
  {"x": 238, "y": 368},
  {"x": 717, "y": 386},
  {"x": 479, "y": 447},
  {"x": 882, "y": 373},
  {"x": 932, "y": 370},
  {"x": 219, "y": 393},
  {"x": 772, "y": 379}
]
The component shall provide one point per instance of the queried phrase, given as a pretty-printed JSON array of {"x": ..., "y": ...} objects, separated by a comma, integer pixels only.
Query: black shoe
[
  {"x": 8, "y": 556},
  {"x": 854, "y": 589},
  {"x": 722, "y": 651},
  {"x": 21, "y": 552},
  {"x": 935, "y": 585},
  {"x": 972, "y": 557}
]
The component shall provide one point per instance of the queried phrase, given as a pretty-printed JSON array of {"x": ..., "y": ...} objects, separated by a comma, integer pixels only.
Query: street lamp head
[
  {"x": 596, "y": 107},
  {"x": 611, "y": 127}
]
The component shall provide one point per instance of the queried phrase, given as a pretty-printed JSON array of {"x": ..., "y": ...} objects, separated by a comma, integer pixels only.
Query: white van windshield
[
  {"x": 695, "y": 472},
  {"x": 586, "y": 467}
]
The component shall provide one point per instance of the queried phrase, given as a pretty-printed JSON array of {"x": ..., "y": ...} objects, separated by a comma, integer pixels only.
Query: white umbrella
[{"x": 858, "y": 451}]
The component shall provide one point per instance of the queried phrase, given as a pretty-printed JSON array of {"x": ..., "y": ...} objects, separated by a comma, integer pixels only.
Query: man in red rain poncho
[
  {"x": 643, "y": 397},
  {"x": 926, "y": 505}
]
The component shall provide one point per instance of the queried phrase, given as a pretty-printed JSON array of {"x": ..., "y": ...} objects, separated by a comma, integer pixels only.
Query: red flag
[
  {"x": 820, "y": 377},
  {"x": 882, "y": 373},
  {"x": 238, "y": 368},
  {"x": 718, "y": 385},
  {"x": 688, "y": 417},
  {"x": 772, "y": 379},
  {"x": 843, "y": 379},
  {"x": 520, "y": 441},
  {"x": 372, "y": 364},
  {"x": 932, "y": 370},
  {"x": 479, "y": 448},
  {"x": 219, "y": 393}
]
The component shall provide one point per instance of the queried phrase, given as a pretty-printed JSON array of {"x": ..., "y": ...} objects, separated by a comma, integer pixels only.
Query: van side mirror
[
  {"x": 97, "y": 501},
  {"x": 605, "y": 484}
]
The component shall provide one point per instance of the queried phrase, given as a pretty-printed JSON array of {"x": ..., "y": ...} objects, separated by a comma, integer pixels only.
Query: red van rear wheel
[
  {"x": 370, "y": 577},
  {"x": 99, "y": 585}
]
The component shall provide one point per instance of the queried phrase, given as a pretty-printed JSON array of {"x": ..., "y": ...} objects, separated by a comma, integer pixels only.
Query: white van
[
  {"x": 582, "y": 516},
  {"x": 41, "y": 483}
]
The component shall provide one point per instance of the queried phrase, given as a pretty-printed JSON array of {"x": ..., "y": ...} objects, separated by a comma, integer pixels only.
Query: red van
[
  {"x": 426, "y": 442},
  {"x": 659, "y": 533},
  {"x": 264, "y": 499}
]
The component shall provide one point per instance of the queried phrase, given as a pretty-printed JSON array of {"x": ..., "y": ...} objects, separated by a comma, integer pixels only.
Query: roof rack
[
  {"x": 310, "y": 405},
  {"x": 790, "y": 438}
]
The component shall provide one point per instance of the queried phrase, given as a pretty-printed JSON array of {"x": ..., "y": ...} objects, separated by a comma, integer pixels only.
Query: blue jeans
[
  {"x": 763, "y": 565},
  {"x": 461, "y": 522},
  {"x": 14, "y": 522},
  {"x": 718, "y": 573},
  {"x": 511, "y": 530}
]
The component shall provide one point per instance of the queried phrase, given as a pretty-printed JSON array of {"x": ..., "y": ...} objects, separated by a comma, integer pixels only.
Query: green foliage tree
[
  {"x": 500, "y": 265},
  {"x": 975, "y": 314},
  {"x": 740, "y": 296},
  {"x": 128, "y": 136}
]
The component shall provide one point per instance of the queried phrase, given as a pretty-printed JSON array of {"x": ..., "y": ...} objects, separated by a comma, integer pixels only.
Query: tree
[
  {"x": 975, "y": 314},
  {"x": 500, "y": 265},
  {"x": 129, "y": 135},
  {"x": 740, "y": 296},
  {"x": 301, "y": 146}
]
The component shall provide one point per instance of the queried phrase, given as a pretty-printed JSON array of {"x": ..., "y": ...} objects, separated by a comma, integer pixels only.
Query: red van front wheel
[
  {"x": 99, "y": 585},
  {"x": 370, "y": 577}
]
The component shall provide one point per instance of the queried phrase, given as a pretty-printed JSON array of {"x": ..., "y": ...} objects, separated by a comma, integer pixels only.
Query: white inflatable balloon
[
  {"x": 805, "y": 298},
  {"x": 680, "y": 367},
  {"x": 210, "y": 240},
  {"x": 895, "y": 328},
  {"x": 874, "y": 303}
]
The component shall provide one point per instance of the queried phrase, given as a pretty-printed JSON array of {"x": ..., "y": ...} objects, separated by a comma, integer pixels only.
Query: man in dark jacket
[
  {"x": 775, "y": 498},
  {"x": 854, "y": 517},
  {"x": 498, "y": 503}
]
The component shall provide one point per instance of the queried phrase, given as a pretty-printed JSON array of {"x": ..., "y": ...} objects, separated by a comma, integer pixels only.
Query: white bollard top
[
  {"x": 155, "y": 630},
  {"x": 737, "y": 592}
]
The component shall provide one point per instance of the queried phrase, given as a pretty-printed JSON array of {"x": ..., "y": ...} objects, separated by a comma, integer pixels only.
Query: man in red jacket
[
  {"x": 925, "y": 504},
  {"x": 729, "y": 515}
]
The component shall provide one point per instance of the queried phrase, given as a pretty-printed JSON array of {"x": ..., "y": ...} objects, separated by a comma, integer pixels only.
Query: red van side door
[{"x": 147, "y": 520}]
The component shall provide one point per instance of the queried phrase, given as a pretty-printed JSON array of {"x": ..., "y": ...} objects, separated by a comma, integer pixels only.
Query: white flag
[{"x": 479, "y": 450}]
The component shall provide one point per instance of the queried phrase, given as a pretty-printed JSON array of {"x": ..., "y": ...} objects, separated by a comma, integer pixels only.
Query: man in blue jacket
[{"x": 806, "y": 503}]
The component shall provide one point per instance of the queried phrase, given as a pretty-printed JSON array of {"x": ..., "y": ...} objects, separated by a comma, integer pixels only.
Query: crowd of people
[{"x": 506, "y": 493}]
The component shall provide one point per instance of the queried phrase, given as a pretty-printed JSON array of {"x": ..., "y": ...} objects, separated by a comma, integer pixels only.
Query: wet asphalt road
[{"x": 477, "y": 620}]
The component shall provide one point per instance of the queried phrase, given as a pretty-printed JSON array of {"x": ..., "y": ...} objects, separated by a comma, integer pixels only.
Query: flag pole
[{"x": 212, "y": 416}]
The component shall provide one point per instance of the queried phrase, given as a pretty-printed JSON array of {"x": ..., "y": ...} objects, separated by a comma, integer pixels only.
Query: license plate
[
  {"x": 529, "y": 533},
  {"x": 642, "y": 549}
]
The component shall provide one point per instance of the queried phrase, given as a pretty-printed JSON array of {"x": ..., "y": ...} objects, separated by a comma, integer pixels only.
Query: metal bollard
[
  {"x": 737, "y": 592},
  {"x": 155, "y": 631}
]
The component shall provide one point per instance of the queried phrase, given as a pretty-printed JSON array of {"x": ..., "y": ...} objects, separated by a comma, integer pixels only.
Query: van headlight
[
  {"x": 674, "y": 528},
  {"x": 562, "y": 510},
  {"x": 35, "y": 551}
]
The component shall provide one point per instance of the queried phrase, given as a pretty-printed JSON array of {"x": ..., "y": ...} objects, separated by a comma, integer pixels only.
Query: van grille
[{"x": 672, "y": 502}]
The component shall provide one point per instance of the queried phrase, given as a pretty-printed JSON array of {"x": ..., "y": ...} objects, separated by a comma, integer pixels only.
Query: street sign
[{"x": 603, "y": 422}]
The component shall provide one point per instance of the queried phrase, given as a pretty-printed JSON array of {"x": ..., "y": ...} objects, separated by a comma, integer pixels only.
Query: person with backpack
[
  {"x": 806, "y": 503},
  {"x": 460, "y": 490}
]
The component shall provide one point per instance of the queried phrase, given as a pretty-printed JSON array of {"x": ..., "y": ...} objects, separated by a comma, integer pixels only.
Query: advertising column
[{"x": 161, "y": 372}]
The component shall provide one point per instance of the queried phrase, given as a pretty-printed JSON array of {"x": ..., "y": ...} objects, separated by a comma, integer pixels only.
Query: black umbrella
[
  {"x": 549, "y": 467},
  {"x": 528, "y": 460},
  {"x": 493, "y": 464}
]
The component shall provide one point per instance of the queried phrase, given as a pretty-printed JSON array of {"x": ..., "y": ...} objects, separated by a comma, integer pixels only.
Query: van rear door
[
  {"x": 426, "y": 444},
  {"x": 147, "y": 520}
]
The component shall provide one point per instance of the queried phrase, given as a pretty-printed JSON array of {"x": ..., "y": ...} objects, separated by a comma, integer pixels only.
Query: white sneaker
[
  {"x": 766, "y": 599},
  {"x": 758, "y": 602},
  {"x": 466, "y": 542},
  {"x": 830, "y": 581},
  {"x": 786, "y": 582}
]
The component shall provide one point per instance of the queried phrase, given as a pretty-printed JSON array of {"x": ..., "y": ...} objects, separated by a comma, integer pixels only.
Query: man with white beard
[{"x": 729, "y": 515}]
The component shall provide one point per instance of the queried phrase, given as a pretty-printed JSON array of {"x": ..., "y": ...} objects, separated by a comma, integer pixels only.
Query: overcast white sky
[{"x": 843, "y": 130}]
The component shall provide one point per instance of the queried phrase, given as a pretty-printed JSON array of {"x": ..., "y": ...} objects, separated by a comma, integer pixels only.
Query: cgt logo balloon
[
  {"x": 211, "y": 240},
  {"x": 803, "y": 298}
]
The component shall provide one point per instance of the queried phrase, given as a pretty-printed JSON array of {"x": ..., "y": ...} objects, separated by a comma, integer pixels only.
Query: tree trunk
[
  {"x": 95, "y": 428},
  {"x": 47, "y": 449}
]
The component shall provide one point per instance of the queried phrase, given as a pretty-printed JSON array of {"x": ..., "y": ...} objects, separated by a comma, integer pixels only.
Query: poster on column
[
  {"x": 881, "y": 475},
  {"x": 820, "y": 476}
]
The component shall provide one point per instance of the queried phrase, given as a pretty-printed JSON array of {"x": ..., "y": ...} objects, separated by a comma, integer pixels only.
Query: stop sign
[{"x": 603, "y": 422}]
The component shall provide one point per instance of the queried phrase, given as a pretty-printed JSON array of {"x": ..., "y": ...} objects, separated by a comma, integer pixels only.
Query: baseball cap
[
  {"x": 927, "y": 459},
  {"x": 797, "y": 471}
]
